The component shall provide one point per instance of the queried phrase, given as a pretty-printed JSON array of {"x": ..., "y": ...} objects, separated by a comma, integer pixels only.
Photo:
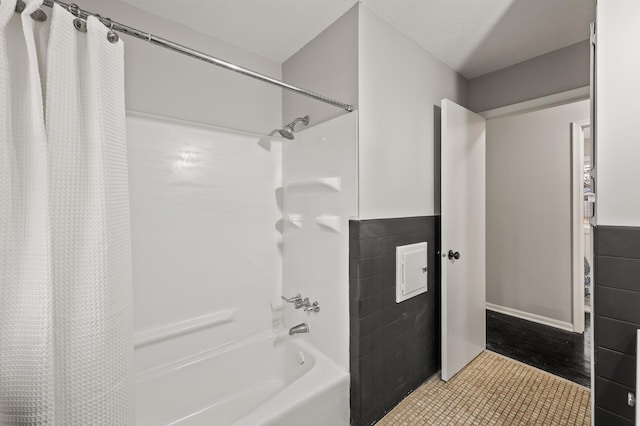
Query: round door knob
[{"x": 454, "y": 255}]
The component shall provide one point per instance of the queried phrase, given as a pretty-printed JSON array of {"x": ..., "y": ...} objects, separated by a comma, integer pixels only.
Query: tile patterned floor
[{"x": 494, "y": 390}]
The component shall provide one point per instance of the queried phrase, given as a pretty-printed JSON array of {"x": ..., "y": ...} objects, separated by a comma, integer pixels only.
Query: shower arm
[
  {"x": 304, "y": 119},
  {"x": 159, "y": 41}
]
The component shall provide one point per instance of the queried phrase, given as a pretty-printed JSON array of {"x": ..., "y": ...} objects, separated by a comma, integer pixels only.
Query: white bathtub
[{"x": 269, "y": 380}]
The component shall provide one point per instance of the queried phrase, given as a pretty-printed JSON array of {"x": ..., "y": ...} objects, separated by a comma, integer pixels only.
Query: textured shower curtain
[{"x": 66, "y": 346}]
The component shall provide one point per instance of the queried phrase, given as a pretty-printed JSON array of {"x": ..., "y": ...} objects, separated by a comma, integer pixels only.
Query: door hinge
[{"x": 592, "y": 36}]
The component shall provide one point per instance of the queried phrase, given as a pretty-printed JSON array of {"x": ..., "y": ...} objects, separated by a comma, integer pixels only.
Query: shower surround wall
[
  {"x": 394, "y": 346},
  {"x": 172, "y": 235},
  {"x": 204, "y": 213},
  {"x": 209, "y": 247},
  {"x": 320, "y": 196}
]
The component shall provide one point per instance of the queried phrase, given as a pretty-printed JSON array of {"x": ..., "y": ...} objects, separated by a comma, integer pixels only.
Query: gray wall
[
  {"x": 617, "y": 245},
  {"x": 165, "y": 83},
  {"x": 529, "y": 211},
  {"x": 401, "y": 86},
  {"x": 328, "y": 65},
  {"x": 617, "y": 90},
  {"x": 558, "y": 71}
]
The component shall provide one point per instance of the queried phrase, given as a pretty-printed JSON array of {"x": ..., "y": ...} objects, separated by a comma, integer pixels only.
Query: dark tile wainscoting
[
  {"x": 394, "y": 347},
  {"x": 617, "y": 317}
]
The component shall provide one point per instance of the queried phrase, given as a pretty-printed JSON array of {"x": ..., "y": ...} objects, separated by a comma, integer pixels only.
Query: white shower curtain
[{"x": 66, "y": 345}]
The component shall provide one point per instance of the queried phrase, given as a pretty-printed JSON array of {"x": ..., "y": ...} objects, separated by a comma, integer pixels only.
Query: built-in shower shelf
[
  {"x": 169, "y": 331},
  {"x": 333, "y": 183},
  {"x": 333, "y": 223},
  {"x": 295, "y": 219}
]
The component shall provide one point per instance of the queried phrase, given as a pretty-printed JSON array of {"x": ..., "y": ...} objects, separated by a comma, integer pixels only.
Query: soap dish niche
[
  {"x": 295, "y": 219},
  {"x": 333, "y": 223},
  {"x": 333, "y": 183}
]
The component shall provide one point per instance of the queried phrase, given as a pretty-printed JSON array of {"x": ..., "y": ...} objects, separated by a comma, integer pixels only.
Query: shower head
[{"x": 287, "y": 131}]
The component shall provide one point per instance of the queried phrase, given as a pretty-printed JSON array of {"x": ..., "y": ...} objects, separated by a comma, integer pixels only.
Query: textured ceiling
[{"x": 474, "y": 37}]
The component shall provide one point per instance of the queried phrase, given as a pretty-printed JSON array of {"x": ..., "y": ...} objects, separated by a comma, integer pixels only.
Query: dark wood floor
[{"x": 556, "y": 351}]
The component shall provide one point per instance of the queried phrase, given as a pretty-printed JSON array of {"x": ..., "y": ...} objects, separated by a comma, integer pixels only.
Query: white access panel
[
  {"x": 637, "y": 378},
  {"x": 411, "y": 271}
]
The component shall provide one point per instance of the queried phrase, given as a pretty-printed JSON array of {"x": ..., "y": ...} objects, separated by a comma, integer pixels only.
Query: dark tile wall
[
  {"x": 394, "y": 347},
  {"x": 617, "y": 317}
]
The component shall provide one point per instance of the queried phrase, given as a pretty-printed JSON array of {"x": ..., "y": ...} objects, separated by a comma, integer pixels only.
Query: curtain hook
[
  {"x": 39, "y": 15},
  {"x": 112, "y": 36},
  {"x": 20, "y": 6},
  {"x": 73, "y": 9},
  {"x": 80, "y": 25}
]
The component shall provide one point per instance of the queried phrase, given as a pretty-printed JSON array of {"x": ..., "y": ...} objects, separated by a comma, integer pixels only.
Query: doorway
[
  {"x": 583, "y": 206},
  {"x": 535, "y": 206}
]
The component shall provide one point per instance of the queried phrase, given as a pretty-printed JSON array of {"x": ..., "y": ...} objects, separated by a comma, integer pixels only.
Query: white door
[{"x": 463, "y": 237}]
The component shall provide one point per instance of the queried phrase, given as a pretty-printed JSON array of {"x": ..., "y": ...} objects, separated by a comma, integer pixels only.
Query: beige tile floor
[{"x": 494, "y": 390}]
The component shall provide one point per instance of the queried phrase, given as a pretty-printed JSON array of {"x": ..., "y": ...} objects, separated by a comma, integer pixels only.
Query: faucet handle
[
  {"x": 294, "y": 299},
  {"x": 313, "y": 308},
  {"x": 300, "y": 303}
]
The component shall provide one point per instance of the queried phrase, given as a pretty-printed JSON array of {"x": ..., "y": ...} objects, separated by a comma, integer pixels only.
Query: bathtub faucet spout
[{"x": 300, "y": 328}]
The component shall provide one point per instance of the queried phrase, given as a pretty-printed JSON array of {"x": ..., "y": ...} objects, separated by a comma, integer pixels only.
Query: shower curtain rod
[{"x": 159, "y": 41}]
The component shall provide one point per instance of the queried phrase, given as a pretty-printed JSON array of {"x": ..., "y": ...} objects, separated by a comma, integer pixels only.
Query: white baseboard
[{"x": 531, "y": 317}]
